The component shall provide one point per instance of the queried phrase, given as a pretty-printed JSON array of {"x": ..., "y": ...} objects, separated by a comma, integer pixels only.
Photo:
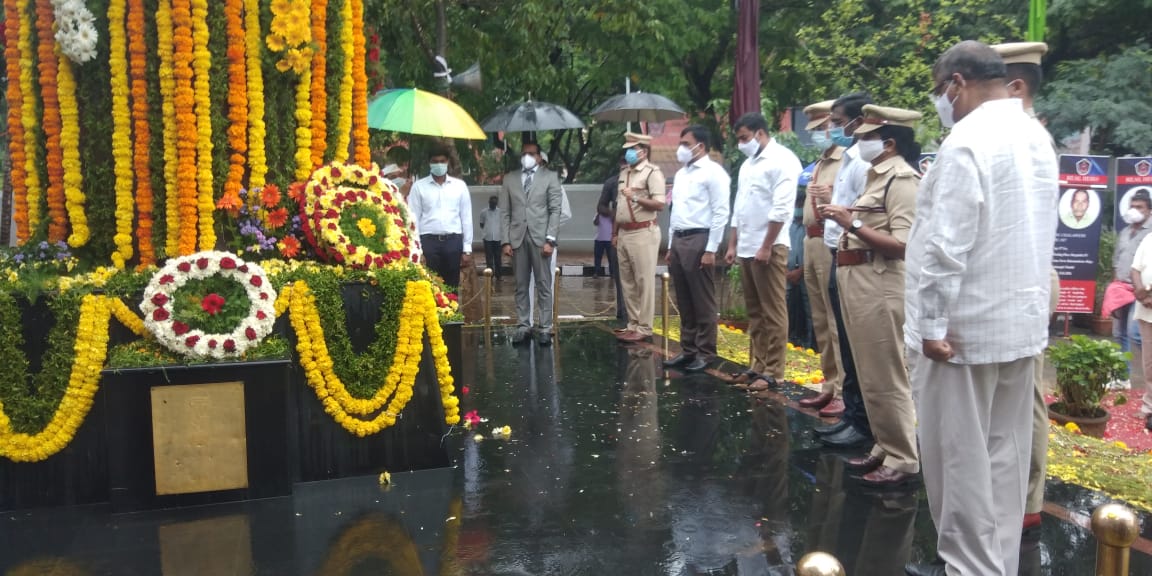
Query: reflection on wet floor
[{"x": 612, "y": 468}]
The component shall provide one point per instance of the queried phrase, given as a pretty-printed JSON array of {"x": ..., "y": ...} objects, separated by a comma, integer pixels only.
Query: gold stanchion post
[
  {"x": 665, "y": 279},
  {"x": 1115, "y": 528},
  {"x": 556, "y": 301},
  {"x": 819, "y": 564},
  {"x": 488, "y": 299}
]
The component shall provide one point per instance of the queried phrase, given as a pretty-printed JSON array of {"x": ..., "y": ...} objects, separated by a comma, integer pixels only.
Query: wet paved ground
[{"x": 612, "y": 469}]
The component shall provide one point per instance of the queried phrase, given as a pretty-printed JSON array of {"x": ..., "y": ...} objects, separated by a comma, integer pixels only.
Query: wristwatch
[
  {"x": 856, "y": 225},
  {"x": 550, "y": 242}
]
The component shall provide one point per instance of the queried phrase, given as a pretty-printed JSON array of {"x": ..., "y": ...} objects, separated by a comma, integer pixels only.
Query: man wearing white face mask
[
  {"x": 765, "y": 199},
  {"x": 442, "y": 209}
]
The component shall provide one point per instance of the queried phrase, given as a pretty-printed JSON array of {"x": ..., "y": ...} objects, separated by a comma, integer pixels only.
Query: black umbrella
[
  {"x": 638, "y": 107},
  {"x": 531, "y": 117}
]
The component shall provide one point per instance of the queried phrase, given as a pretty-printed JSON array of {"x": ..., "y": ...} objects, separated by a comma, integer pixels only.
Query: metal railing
[{"x": 1116, "y": 528}]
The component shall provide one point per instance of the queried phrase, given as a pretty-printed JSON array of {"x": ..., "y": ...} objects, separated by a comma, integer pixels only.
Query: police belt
[
  {"x": 630, "y": 226},
  {"x": 853, "y": 257},
  {"x": 816, "y": 230}
]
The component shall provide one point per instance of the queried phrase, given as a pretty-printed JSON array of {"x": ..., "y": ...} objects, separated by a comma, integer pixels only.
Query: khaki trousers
[
  {"x": 1038, "y": 463},
  {"x": 872, "y": 304},
  {"x": 1146, "y": 357},
  {"x": 764, "y": 287},
  {"x": 817, "y": 268},
  {"x": 974, "y": 430},
  {"x": 637, "y": 252}
]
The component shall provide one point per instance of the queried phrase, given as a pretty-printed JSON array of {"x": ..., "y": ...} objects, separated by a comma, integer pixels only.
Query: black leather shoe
[
  {"x": 696, "y": 365},
  {"x": 937, "y": 568},
  {"x": 521, "y": 335},
  {"x": 846, "y": 438},
  {"x": 679, "y": 360},
  {"x": 832, "y": 428},
  {"x": 544, "y": 338}
]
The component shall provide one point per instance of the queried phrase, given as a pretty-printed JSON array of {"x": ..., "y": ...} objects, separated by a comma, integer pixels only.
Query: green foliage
[
  {"x": 189, "y": 302},
  {"x": 30, "y": 399},
  {"x": 1084, "y": 367},
  {"x": 1104, "y": 264},
  {"x": 149, "y": 354},
  {"x": 1108, "y": 93},
  {"x": 350, "y": 217}
]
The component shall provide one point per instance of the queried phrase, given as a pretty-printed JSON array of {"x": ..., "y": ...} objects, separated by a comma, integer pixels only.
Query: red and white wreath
[{"x": 161, "y": 316}]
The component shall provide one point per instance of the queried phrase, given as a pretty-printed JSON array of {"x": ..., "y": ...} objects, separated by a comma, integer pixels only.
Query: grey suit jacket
[{"x": 534, "y": 213}]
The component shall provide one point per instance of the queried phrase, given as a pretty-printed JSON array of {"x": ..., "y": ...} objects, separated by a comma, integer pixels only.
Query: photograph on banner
[
  {"x": 1077, "y": 249},
  {"x": 926, "y": 161},
  {"x": 1078, "y": 171},
  {"x": 1132, "y": 176}
]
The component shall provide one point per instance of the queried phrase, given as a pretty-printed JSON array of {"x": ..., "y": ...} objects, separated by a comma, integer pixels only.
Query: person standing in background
[
  {"x": 603, "y": 245},
  {"x": 799, "y": 315},
  {"x": 441, "y": 206},
  {"x": 606, "y": 209},
  {"x": 565, "y": 216},
  {"x": 490, "y": 221}
]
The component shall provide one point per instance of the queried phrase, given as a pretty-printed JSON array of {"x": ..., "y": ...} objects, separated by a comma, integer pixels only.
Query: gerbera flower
[
  {"x": 289, "y": 247},
  {"x": 275, "y": 42},
  {"x": 212, "y": 304},
  {"x": 270, "y": 195},
  {"x": 230, "y": 202},
  {"x": 277, "y": 217}
]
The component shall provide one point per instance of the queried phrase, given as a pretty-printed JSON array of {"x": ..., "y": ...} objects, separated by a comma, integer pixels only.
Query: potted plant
[
  {"x": 1102, "y": 325},
  {"x": 732, "y": 309},
  {"x": 1084, "y": 367}
]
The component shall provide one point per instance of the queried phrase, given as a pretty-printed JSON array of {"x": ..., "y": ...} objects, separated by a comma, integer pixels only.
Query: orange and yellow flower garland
[
  {"x": 30, "y": 121},
  {"x": 344, "y": 116},
  {"x": 319, "y": 79},
  {"x": 304, "y": 126},
  {"x": 70, "y": 148},
  {"x": 121, "y": 133},
  {"x": 142, "y": 135},
  {"x": 363, "y": 154},
  {"x": 253, "y": 39},
  {"x": 186, "y": 135},
  {"x": 57, "y": 211},
  {"x": 164, "y": 43},
  {"x": 237, "y": 105},
  {"x": 202, "y": 65},
  {"x": 15, "y": 97}
]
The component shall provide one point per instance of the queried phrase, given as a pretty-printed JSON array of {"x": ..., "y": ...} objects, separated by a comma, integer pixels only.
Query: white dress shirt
[
  {"x": 1142, "y": 263},
  {"x": 700, "y": 200},
  {"x": 850, "y": 183},
  {"x": 490, "y": 221},
  {"x": 442, "y": 208},
  {"x": 765, "y": 193},
  {"x": 980, "y": 250}
]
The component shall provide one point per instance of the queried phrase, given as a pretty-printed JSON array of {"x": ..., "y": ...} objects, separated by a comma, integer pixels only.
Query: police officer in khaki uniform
[
  {"x": 639, "y": 200},
  {"x": 818, "y": 260},
  {"x": 870, "y": 273}
]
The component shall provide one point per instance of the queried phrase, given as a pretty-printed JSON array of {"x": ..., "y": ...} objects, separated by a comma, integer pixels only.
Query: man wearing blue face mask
[{"x": 442, "y": 209}]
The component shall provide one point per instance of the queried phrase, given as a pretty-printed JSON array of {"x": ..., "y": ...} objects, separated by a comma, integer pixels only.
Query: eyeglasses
[{"x": 941, "y": 87}]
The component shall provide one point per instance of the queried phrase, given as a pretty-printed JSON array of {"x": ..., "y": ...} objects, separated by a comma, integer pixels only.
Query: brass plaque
[
  {"x": 217, "y": 546},
  {"x": 198, "y": 438}
]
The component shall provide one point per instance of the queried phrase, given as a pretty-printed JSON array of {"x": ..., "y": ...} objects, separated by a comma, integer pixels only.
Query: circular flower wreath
[
  {"x": 181, "y": 333},
  {"x": 355, "y": 216}
]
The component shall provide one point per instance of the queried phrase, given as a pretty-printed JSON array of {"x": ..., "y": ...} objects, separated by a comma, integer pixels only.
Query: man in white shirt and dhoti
[{"x": 976, "y": 311}]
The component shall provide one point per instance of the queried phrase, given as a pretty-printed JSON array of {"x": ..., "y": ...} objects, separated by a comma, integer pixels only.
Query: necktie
[{"x": 528, "y": 180}]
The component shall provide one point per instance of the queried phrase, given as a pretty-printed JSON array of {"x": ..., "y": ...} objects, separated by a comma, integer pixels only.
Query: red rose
[
  {"x": 243, "y": 268},
  {"x": 331, "y": 225},
  {"x": 160, "y": 299},
  {"x": 202, "y": 263},
  {"x": 212, "y": 304},
  {"x": 387, "y": 197},
  {"x": 250, "y": 333},
  {"x": 351, "y": 249},
  {"x": 191, "y": 341},
  {"x": 373, "y": 180},
  {"x": 184, "y": 267},
  {"x": 160, "y": 315},
  {"x": 256, "y": 281},
  {"x": 335, "y": 172},
  {"x": 260, "y": 315},
  {"x": 229, "y": 346},
  {"x": 263, "y": 295},
  {"x": 212, "y": 344},
  {"x": 227, "y": 263},
  {"x": 180, "y": 328},
  {"x": 367, "y": 259},
  {"x": 451, "y": 296},
  {"x": 167, "y": 279}
]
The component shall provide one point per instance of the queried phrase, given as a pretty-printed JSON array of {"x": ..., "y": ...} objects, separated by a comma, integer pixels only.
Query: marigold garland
[
  {"x": 121, "y": 133},
  {"x": 253, "y": 40},
  {"x": 15, "y": 64},
  {"x": 186, "y": 134},
  {"x": 319, "y": 79},
  {"x": 127, "y": 317},
  {"x": 363, "y": 154},
  {"x": 30, "y": 121},
  {"x": 50, "y": 101},
  {"x": 70, "y": 147},
  {"x": 91, "y": 349},
  {"x": 164, "y": 43},
  {"x": 304, "y": 126},
  {"x": 344, "y": 116},
  {"x": 202, "y": 66},
  {"x": 142, "y": 134},
  {"x": 237, "y": 103}
]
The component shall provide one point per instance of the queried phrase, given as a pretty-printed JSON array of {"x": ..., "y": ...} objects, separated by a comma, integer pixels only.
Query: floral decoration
[
  {"x": 167, "y": 316},
  {"x": 363, "y": 153},
  {"x": 164, "y": 42},
  {"x": 257, "y": 166},
  {"x": 291, "y": 34},
  {"x": 75, "y": 30},
  {"x": 304, "y": 126},
  {"x": 237, "y": 105},
  {"x": 70, "y": 150},
  {"x": 16, "y": 148},
  {"x": 202, "y": 66},
  {"x": 50, "y": 101},
  {"x": 266, "y": 226},
  {"x": 187, "y": 136},
  {"x": 121, "y": 133},
  {"x": 318, "y": 89},
  {"x": 344, "y": 114},
  {"x": 141, "y": 131},
  {"x": 34, "y": 192}
]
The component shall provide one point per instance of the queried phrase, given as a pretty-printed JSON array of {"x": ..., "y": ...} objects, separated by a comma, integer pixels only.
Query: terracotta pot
[
  {"x": 1089, "y": 426},
  {"x": 1102, "y": 325}
]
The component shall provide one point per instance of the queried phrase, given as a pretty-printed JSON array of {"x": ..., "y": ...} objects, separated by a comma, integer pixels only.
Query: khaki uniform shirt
[
  {"x": 823, "y": 175},
  {"x": 648, "y": 179},
  {"x": 889, "y": 213}
]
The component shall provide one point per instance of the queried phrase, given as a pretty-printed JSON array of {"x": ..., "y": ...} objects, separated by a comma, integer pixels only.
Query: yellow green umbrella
[{"x": 415, "y": 111}]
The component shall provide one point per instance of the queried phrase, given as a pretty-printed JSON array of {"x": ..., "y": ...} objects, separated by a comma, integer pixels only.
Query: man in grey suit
[{"x": 530, "y": 205}]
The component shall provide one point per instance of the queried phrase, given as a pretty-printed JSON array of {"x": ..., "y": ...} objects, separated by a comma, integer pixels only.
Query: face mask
[
  {"x": 839, "y": 138},
  {"x": 870, "y": 149},
  {"x": 749, "y": 148},
  {"x": 632, "y": 157},
  {"x": 438, "y": 169},
  {"x": 399, "y": 182},
  {"x": 944, "y": 107},
  {"x": 1133, "y": 216},
  {"x": 821, "y": 140},
  {"x": 684, "y": 153},
  {"x": 528, "y": 161}
]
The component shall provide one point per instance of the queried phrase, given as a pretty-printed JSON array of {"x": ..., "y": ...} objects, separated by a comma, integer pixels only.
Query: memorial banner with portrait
[
  {"x": 1132, "y": 175},
  {"x": 1082, "y": 178}
]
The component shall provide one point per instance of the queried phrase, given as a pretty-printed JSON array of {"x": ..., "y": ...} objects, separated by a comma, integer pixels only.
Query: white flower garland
[
  {"x": 160, "y": 320},
  {"x": 75, "y": 30}
]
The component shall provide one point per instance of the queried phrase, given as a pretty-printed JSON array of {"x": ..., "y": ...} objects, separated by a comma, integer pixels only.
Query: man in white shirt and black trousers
[
  {"x": 700, "y": 211},
  {"x": 976, "y": 310},
  {"x": 765, "y": 204},
  {"x": 442, "y": 209}
]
